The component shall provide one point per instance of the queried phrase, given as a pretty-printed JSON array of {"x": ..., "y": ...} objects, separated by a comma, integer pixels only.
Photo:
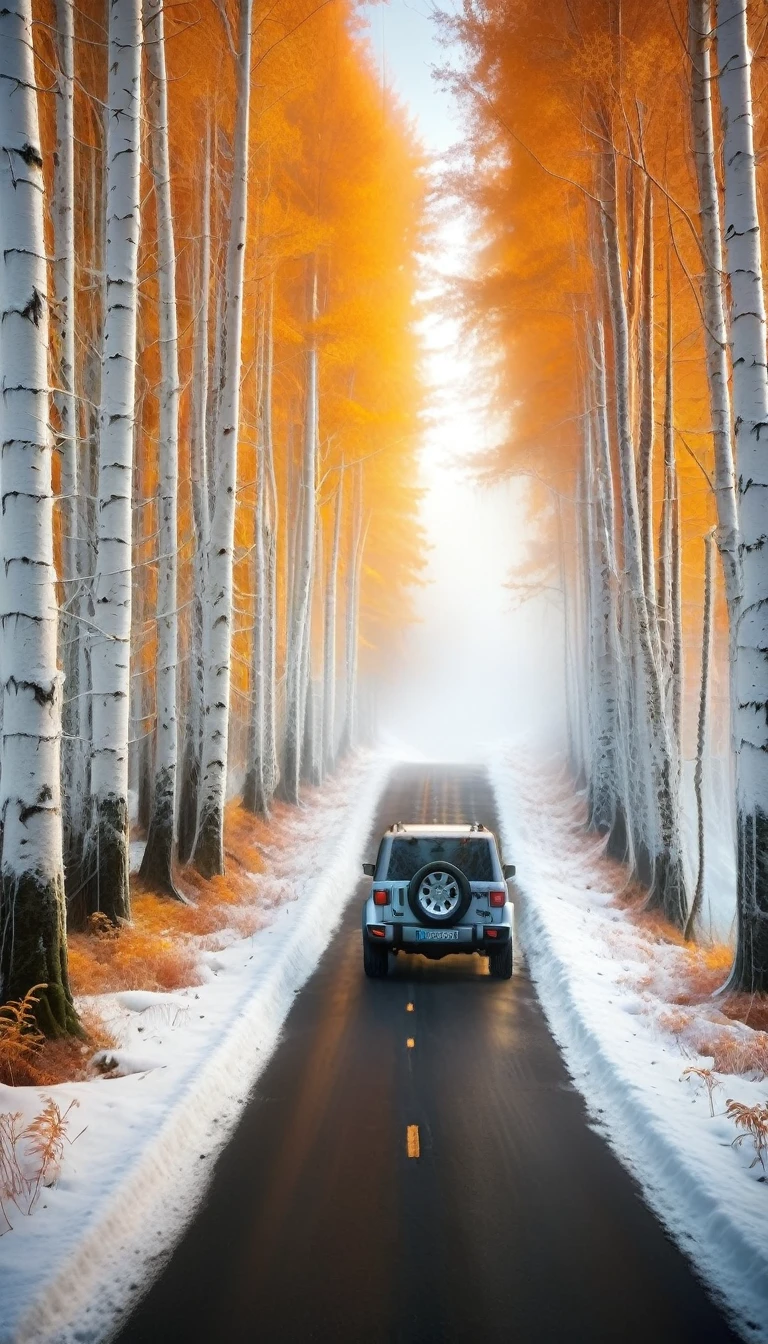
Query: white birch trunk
[
  {"x": 664, "y": 595},
  {"x": 158, "y": 855},
  {"x": 253, "y": 789},
  {"x": 193, "y": 727},
  {"x": 647, "y": 410},
  {"x": 609, "y": 800},
  {"x": 329, "y": 632},
  {"x": 701, "y": 739},
  {"x": 107, "y": 844},
  {"x": 65, "y": 400},
  {"x": 209, "y": 844},
  {"x": 357, "y": 545},
  {"x": 713, "y": 300},
  {"x": 662, "y": 819},
  {"x": 750, "y": 405},
  {"x": 32, "y": 917},
  {"x": 300, "y": 616},
  {"x": 269, "y": 766}
]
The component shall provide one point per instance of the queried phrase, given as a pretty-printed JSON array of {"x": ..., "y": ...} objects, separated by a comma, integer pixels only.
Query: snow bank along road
[
  {"x": 132, "y": 1180},
  {"x": 515, "y": 1220}
]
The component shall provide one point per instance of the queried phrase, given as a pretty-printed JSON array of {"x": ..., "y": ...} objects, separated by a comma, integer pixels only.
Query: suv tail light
[
  {"x": 381, "y": 898},
  {"x": 497, "y": 898}
]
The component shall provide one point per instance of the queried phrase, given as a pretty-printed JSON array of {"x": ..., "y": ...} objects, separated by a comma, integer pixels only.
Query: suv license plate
[{"x": 437, "y": 935}]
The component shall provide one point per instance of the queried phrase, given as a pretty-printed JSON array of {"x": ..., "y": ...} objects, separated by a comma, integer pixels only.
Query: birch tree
[
  {"x": 65, "y": 400},
  {"x": 253, "y": 788},
  {"x": 662, "y": 821},
  {"x": 329, "y": 634},
  {"x": 209, "y": 844},
  {"x": 158, "y": 854},
  {"x": 607, "y": 805},
  {"x": 701, "y": 739},
  {"x": 750, "y": 405},
  {"x": 298, "y": 646},
  {"x": 354, "y": 565},
  {"x": 269, "y": 766},
  {"x": 713, "y": 300},
  {"x": 32, "y": 924},
  {"x": 106, "y": 858},
  {"x": 193, "y": 727}
]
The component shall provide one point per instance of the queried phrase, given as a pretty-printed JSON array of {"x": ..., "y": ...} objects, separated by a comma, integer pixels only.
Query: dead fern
[
  {"x": 709, "y": 1080},
  {"x": 754, "y": 1121},
  {"x": 21, "y": 1040}
]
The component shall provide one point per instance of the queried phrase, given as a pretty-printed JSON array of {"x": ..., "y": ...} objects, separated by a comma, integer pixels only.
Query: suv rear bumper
[{"x": 407, "y": 937}]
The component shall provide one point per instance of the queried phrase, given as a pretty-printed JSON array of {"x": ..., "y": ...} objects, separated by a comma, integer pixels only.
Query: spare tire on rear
[{"x": 439, "y": 894}]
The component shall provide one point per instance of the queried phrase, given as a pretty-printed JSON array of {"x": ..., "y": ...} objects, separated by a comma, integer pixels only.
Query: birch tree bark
[
  {"x": 713, "y": 301},
  {"x": 106, "y": 859},
  {"x": 750, "y": 404},
  {"x": 157, "y": 862},
  {"x": 209, "y": 844},
  {"x": 300, "y": 615},
  {"x": 701, "y": 739},
  {"x": 253, "y": 789},
  {"x": 269, "y": 767},
  {"x": 65, "y": 400},
  {"x": 357, "y": 545},
  {"x": 647, "y": 408},
  {"x": 193, "y": 727},
  {"x": 329, "y": 633},
  {"x": 609, "y": 805},
  {"x": 662, "y": 806},
  {"x": 32, "y": 921}
]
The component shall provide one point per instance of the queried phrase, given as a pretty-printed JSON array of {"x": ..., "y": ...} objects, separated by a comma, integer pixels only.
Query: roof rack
[{"x": 477, "y": 826}]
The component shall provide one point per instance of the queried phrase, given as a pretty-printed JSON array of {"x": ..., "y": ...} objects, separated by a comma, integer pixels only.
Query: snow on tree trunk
[
  {"x": 32, "y": 912},
  {"x": 661, "y": 807},
  {"x": 329, "y": 633},
  {"x": 209, "y": 843},
  {"x": 300, "y": 617},
  {"x": 750, "y": 406},
  {"x": 106, "y": 861},
  {"x": 158, "y": 854},
  {"x": 701, "y": 737},
  {"x": 193, "y": 727},
  {"x": 713, "y": 301}
]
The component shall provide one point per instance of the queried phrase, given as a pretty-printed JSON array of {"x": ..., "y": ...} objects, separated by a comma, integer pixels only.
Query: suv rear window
[{"x": 470, "y": 854}]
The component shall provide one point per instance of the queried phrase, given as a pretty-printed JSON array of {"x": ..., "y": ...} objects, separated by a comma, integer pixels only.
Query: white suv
[{"x": 438, "y": 890}]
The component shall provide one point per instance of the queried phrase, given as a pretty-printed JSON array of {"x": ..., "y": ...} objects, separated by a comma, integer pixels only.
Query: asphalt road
[{"x": 515, "y": 1223}]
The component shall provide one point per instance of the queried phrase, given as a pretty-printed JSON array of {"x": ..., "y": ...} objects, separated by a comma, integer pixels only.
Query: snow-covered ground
[
  {"x": 611, "y": 991},
  {"x": 184, "y": 1065}
]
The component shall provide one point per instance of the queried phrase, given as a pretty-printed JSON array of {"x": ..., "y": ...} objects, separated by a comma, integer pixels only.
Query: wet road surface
[{"x": 515, "y": 1223}]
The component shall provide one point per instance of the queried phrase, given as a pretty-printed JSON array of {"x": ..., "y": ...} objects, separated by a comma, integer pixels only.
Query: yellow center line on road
[
  {"x": 410, "y": 1042},
  {"x": 412, "y": 1140}
]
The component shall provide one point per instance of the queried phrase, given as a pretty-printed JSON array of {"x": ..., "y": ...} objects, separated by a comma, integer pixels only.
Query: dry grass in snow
[{"x": 675, "y": 985}]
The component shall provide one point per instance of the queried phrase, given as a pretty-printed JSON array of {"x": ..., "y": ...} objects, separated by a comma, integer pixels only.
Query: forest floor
[
  {"x": 185, "y": 1007},
  {"x": 673, "y": 1073}
]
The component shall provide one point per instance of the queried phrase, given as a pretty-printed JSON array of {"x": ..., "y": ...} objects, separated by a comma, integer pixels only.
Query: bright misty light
[{"x": 472, "y": 667}]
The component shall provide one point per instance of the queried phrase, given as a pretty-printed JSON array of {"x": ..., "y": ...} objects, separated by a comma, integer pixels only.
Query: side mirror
[
  {"x": 369, "y": 869},
  {"x": 509, "y": 871}
]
